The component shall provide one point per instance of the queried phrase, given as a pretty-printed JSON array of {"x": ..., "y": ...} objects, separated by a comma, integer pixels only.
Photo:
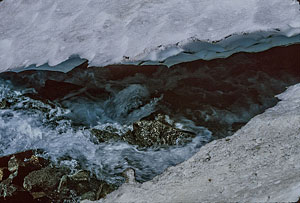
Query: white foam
[
  {"x": 113, "y": 31},
  {"x": 27, "y": 125}
]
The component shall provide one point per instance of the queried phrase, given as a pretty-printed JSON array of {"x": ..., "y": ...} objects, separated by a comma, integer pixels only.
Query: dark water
[{"x": 55, "y": 111}]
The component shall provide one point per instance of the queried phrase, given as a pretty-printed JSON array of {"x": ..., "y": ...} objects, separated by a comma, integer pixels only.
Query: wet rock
[
  {"x": 22, "y": 163},
  {"x": 154, "y": 133},
  {"x": 38, "y": 195},
  {"x": 104, "y": 189},
  {"x": 13, "y": 169},
  {"x": 85, "y": 185},
  {"x": 104, "y": 136},
  {"x": 4, "y": 173},
  {"x": 13, "y": 164},
  {"x": 27, "y": 177},
  {"x": 89, "y": 195},
  {"x": 6, "y": 188},
  {"x": 3, "y": 104},
  {"x": 45, "y": 179},
  {"x": 129, "y": 175}
]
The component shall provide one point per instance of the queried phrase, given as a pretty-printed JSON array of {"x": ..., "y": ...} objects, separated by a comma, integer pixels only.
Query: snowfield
[
  {"x": 259, "y": 163},
  {"x": 128, "y": 31}
]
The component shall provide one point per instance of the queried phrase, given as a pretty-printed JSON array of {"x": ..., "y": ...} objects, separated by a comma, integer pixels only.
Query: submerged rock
[
  {"x": 3, "y": 104},
  {"x": 54, "y": 89},
  {"x": 27, "y": 177}
]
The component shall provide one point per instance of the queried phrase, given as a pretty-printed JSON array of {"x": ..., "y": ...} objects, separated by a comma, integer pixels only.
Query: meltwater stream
[
  {"x": 31, "y": 124},
  {"x": 56, "y": 111}
]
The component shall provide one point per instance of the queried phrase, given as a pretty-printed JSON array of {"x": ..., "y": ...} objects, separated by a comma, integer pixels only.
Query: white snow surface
[
  {"x": 118, "y": 31},
  {"x": 259, "y": 163}
]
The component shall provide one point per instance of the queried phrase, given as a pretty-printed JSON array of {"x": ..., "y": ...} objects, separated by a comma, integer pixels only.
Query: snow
[
  {"x": 293, "y": 93},
  {"x": 113, "y": 31},
  {"x": 259, "y": 163}
]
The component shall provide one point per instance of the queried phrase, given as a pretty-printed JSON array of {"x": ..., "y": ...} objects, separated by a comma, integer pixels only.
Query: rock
[
  {"x": 89, "y": 195},
  {"x": 3, "y": 173},
  {"x": 80, "y": 176},
  {"x": 13, "y": 170},
  {"x": 6, "y": 188},
  {"x": 12, "y": 192},
  {"x": 85, "y": 185},
  {"x": 104, "y": 189},
  {"x": 38, "y": 195},
  {"x": 129, "y": 175},
  {"x": 152, "y": 131},
  {"x": 45, "y": 179},
  {"x": 26, "y": 177},
  {"x": 104, "y": 136},
  {"x": 149, "y": 133},
  {"x": 13, "y": 164},
  {"x": 3, "y": 104},
  {"x": 22, "y": 164}
]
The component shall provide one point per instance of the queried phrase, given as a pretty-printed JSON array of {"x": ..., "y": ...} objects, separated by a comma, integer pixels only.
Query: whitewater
[
  {"x": 138, "y": 31},
  {"x": 114, "y": 56}
]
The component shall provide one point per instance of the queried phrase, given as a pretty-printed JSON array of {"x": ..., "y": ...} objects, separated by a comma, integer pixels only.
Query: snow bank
[
  {"x": 259, "y": 163},
  {"x": 113, "y": 31}
]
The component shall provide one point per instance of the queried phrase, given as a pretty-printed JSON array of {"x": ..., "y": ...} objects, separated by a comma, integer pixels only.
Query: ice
[
  {"x": 112, "y": 31},
  {"x": 292, "y": 93},
  {"x": 65, "y": 66}
]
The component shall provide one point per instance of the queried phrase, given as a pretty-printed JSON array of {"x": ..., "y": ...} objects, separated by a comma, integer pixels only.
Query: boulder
[
  {"x": 152, "y": 131},
  {"x": 156, "y": 133}
]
